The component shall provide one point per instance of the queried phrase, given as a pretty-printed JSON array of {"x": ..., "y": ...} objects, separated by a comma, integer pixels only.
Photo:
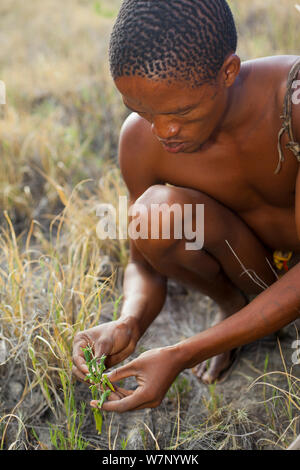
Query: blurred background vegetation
[{"x": 58, "y": 146}]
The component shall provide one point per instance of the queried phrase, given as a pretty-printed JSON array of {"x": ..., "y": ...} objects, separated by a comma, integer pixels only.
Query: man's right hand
[{"x": 116, "y": 339}]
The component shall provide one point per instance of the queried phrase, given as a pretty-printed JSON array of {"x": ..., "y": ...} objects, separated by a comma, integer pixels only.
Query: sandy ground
[{"x": 231, "y": 415}]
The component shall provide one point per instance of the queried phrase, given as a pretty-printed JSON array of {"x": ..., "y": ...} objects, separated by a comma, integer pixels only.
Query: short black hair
[{"x": 172, "y": 39}]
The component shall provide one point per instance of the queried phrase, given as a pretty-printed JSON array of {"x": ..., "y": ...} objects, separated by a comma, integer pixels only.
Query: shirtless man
[{"x": 211, "y": 128}]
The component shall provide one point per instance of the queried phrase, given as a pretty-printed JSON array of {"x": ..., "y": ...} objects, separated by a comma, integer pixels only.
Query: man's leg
[{"x": 213, "y": 270}]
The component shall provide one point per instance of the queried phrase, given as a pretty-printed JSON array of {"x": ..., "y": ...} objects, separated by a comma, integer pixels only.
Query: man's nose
[{"x": 164, "y": 129}]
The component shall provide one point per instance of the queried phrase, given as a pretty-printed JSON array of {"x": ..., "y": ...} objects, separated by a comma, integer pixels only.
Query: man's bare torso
[{"x": 237, "y": 168}]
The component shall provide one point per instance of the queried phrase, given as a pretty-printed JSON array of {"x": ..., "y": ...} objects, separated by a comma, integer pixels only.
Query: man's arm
[
  {"x": 274, "y": 308},
  {"x": 144, "y": 289},
  {"x": 155, "y": 370}
]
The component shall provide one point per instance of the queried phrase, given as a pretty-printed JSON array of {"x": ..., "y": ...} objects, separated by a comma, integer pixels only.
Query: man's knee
[
  {"x": 157, "y": 194},
  {"x": 164, "y": 215},
  {"x": 160, "y": 219}
]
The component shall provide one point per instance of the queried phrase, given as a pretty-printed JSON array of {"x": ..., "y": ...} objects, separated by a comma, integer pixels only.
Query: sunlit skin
[{"x": 230, "y": 128}]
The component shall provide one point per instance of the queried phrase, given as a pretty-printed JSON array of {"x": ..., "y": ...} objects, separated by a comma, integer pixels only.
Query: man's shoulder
[
  {"x": 273, "y": 70},
  {"x": 282, "y": 90},
  {"x": 278, "y": 64},
  {"x": 139, "y": 153},
  {"x": 271, "y": 73},
  {"x": 136, "y": 136}
]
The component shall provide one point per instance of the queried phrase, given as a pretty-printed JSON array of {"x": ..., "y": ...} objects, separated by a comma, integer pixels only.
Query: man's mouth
[{"x": 173, "y": 147}]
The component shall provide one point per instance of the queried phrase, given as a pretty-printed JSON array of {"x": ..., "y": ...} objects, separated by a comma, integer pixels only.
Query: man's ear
[{"x": 230, "y": 70}]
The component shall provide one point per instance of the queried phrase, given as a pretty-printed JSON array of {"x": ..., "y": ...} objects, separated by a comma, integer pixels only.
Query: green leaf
[
  {"x": 98, "y": 420},
  {"x": 106, "y": 380},
  {"x": 104, "y": 397}
]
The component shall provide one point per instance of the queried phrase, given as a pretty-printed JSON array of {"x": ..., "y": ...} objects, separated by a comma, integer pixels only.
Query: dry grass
[
  {"x": 266, "y": 27},
  {"x": 58, "y": 144}
]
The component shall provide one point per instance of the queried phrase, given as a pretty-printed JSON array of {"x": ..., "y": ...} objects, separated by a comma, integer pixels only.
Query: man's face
[{"x": 182, "y": 118}]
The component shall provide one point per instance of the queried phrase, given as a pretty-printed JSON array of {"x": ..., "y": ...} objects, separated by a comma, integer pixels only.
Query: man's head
[
  {"x": 182, "y": 39},
  {"x": 172, "y": 55}
]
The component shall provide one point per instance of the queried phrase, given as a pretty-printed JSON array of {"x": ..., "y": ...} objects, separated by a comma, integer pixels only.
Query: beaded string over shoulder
[{"x": 287, "y": 119}]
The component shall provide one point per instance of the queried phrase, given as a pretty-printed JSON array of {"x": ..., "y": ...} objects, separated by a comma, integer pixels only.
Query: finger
[
  {"x": 80, "y": 364},
  {"x": 118, "y": 394},
  {"x": 78, "y": 357},
  {"x": 128, "y": 370},
  {"x": 103, "y": 348},
  {"x": 114, "y": 360},
  {"x": 119, "y": 357},
  {"x": 150, "y": 404},
  {"x": 129, "y": 403},
  {"x": 78, "y": 374},
  {"x": 145, "y": 405},
  {"x": 112, "y": 397},
  {"x": 123, "y": 392}
]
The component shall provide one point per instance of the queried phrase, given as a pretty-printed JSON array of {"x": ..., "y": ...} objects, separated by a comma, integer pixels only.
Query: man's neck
[{"x": 239, "y": 106}]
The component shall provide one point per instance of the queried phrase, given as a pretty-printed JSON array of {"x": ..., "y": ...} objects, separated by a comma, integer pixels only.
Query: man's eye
[{"x": 184, "y": 113}]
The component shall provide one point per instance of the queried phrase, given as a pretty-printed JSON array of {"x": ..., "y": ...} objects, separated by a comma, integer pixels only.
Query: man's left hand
[{"x": 154, "y": 370}]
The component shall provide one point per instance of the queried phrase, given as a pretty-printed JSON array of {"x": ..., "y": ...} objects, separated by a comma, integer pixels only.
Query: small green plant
[
  {"x": 68, "y": 437},
  {"x": 214, "y": 403},
  {"x": 124, "y": 443},
  {"x": 181, "y": 386},
  {"x": 101, "y": 386},
  {"x": 73, "y": 440}
]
